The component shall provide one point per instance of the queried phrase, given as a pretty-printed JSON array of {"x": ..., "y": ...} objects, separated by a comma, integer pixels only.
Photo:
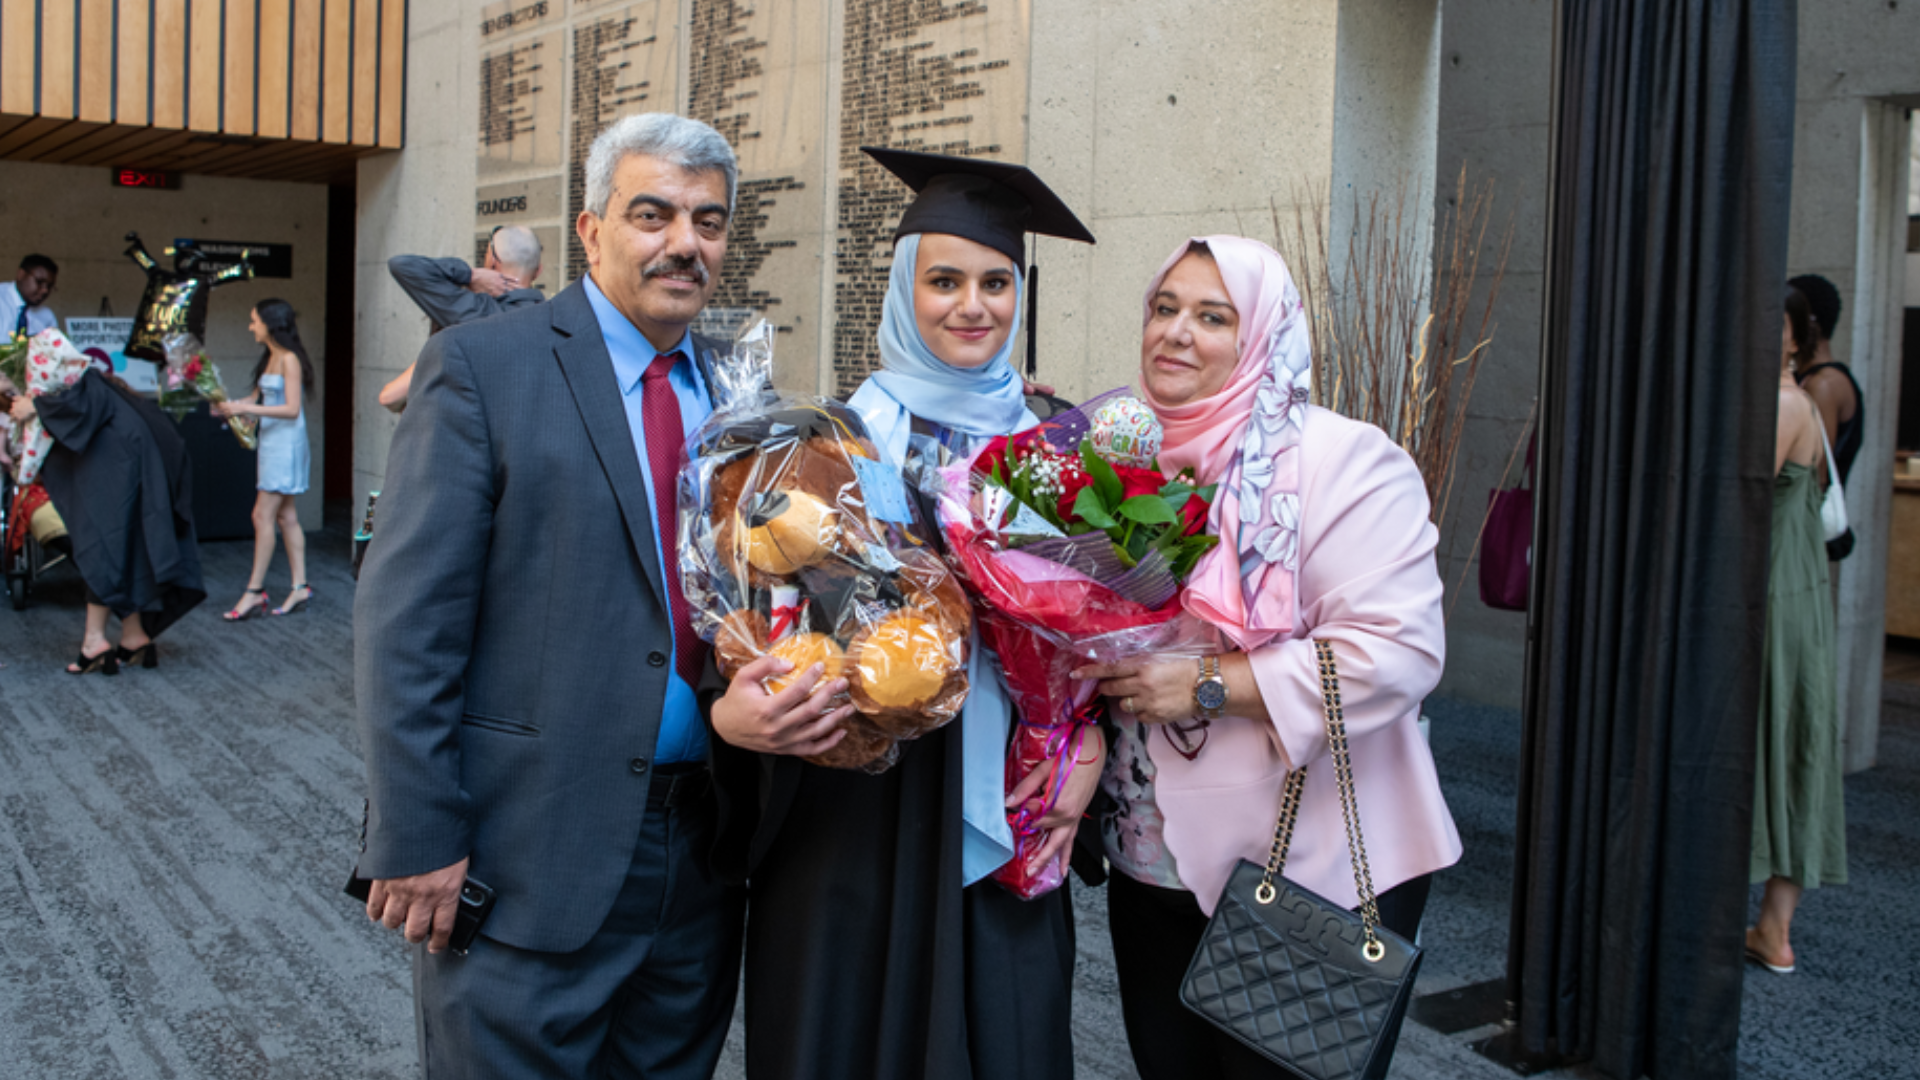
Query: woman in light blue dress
[{"x": 281, "y": 381}]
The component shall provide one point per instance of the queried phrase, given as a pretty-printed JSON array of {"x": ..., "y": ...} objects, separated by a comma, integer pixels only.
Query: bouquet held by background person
[{"x": 281, "y": 380}]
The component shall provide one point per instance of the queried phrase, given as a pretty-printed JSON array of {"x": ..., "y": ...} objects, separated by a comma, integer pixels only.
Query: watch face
[{"x": 1210, "y": 694}]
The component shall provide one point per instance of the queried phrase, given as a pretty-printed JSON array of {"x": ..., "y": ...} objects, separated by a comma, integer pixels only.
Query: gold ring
[{"x": 1126, "y": 703}]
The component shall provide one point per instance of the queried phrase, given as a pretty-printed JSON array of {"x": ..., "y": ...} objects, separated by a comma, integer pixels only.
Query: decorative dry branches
[{"x": 1392, "y": 343}]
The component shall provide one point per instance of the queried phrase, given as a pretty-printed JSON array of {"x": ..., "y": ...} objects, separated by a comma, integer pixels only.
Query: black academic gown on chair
[
  {"x": 865, "y": 958},
  {"x": 120, "y": 478}
]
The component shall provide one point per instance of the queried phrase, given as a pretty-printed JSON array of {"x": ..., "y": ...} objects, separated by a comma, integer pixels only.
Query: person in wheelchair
[
  {"x": 25, "y": 514},
  {"x": 116, "y": 472}
]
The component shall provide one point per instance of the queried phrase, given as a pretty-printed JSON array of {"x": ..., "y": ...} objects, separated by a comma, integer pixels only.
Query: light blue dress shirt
[{"x": 683, "y": 737}]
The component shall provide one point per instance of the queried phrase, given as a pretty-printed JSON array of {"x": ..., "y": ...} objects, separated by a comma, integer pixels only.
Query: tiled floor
[{"x": 172, "y": 844}]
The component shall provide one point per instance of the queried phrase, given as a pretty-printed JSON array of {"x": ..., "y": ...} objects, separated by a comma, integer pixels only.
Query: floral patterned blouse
[{"x": 1132, "y": 830}]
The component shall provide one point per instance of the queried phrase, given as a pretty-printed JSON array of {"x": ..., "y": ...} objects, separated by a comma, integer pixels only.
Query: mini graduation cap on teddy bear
[{"x": 797, "y": 540}]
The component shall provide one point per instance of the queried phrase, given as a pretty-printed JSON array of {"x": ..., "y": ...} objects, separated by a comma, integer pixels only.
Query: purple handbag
[{"x": 1506, "y": 549}]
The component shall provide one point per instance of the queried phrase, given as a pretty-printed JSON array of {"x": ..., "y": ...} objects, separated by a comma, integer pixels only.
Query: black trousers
[{"x": 1155, "y": 932}]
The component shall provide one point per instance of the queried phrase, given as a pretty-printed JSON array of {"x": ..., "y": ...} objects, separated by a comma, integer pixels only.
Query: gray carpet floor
[{"x": 173, "y": 842}]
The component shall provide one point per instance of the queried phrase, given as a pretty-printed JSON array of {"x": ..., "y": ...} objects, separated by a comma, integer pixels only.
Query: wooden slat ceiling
[
  {"x": 268, "y": 89},
  {"x": 78, "y": 142}
]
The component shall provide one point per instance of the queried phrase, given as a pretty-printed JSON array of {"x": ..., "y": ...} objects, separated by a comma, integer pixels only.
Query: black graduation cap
[{"x": 989, "y": 202}]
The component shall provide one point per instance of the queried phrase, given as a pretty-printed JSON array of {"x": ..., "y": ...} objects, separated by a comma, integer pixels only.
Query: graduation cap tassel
[{"x": 1033, "y": 322}]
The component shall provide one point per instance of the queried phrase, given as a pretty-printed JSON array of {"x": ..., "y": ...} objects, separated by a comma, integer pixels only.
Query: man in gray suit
[{"x": 525, "y": 665}]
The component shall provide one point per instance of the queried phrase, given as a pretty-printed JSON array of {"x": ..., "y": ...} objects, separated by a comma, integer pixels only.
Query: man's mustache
[{"x": 676, "y": 264}]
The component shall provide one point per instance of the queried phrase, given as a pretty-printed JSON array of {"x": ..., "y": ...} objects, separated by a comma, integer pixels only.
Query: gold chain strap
[
  {"x": 1374, "y": 950},
  {"x": 1282, "y": 835},
  {"x": 1349, "y": 806}
]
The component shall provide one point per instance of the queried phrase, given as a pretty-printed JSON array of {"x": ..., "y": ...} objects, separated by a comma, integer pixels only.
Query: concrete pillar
[
  {"x": 1877, "y": 301},
  {"x": 1496, "y": 68}
]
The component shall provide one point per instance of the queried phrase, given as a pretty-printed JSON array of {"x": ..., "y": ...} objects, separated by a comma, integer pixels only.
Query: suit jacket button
[
  {"x": 638, "y": 765},
  {"x": 657, "y": 659}
]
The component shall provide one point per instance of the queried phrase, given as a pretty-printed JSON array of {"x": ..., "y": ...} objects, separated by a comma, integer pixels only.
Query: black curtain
[{"x": 1672, "y": 157}]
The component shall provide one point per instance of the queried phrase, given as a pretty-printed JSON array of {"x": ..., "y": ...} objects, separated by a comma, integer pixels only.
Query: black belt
[{"x": 678, "y": 784}]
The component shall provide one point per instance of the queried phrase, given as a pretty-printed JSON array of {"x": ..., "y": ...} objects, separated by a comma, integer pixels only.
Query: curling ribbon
[{"x": 1063, "y": 745}]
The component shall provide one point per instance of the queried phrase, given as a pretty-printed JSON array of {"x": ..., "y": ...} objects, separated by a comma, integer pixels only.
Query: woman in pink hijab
[{"x": 1325, "y": 535}]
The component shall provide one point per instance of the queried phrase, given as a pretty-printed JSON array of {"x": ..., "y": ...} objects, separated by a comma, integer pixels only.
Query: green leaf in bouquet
[
  {"x": 1090, "y": 508},
  {"x": 1185, "y": 555},
  {"x": 1112, "y": 491},
  {"x": 1148, "y": 510},
  {"x": 13, "y": 361},
  {"x": 177, "y": 402}
]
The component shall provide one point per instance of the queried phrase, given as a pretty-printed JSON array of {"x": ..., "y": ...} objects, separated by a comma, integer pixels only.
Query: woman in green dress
[{"x": 1799, "y": 822}]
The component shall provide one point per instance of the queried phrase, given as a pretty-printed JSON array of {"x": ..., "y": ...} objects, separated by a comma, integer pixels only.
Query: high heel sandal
[
  {"x": 294, "y": 607},
  {"x": 106, "y": 664},
  {"x": 257, "y": 610},
  {"x": 146, "y": 656}
]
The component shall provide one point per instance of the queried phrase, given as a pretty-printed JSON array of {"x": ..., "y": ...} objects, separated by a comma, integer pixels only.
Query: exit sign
[{"x": 145, "y": 178}]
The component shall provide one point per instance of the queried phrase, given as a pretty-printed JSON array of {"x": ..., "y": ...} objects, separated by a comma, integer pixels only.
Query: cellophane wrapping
[
  {"x": 1044, "y": 610},
  {"x": 188, "y": 377},
  {"x": 797, "y": 539}
]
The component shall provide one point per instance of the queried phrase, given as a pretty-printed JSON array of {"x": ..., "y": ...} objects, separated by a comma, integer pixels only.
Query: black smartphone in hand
[{"x": 476, "y": 903}]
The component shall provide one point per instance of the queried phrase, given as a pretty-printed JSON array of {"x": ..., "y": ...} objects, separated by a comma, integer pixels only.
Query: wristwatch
[{"x": 1210, "y": 690}]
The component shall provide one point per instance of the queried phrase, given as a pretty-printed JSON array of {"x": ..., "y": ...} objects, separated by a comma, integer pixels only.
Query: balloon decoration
[{"x": 176, "y": 300}]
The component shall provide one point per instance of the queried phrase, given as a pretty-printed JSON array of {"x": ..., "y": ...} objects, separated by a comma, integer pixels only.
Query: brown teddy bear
[{"x": 798, "y": 565}]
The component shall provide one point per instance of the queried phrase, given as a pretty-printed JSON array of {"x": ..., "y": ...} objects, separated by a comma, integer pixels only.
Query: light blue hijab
[{"x": 985, "y": 401}]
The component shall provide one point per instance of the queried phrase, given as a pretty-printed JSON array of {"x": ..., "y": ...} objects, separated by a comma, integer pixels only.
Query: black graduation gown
[
  {"x": 120, "y": 477},
  {"x": 865, "y": 958}
]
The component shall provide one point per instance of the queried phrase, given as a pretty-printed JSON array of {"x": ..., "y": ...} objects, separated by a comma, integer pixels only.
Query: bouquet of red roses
[
  {"x": 190, "y": 377},
  {"x": 1066, "y": 533}
]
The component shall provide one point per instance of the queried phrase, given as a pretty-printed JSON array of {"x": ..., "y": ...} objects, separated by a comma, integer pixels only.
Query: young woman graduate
[{"x": 875, "y": 945}]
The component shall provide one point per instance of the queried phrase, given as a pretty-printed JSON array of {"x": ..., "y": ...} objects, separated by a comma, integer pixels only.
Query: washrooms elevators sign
[{"x": 269, "y": 260}]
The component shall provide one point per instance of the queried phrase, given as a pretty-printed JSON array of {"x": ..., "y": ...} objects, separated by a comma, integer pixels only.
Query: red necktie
[{"x": 660, "y": 416}]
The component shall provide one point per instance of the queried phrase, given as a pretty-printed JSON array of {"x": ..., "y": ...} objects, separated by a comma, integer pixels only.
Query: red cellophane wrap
[{"x": 1043, "y": 619}]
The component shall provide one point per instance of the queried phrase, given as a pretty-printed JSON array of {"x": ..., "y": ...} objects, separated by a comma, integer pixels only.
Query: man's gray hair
[
  {"x": 678, "y": 140},
  {"x": 515, "y": 246}
]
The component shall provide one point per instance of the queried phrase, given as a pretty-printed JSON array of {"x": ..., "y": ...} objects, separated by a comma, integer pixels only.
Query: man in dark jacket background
[{"x": 452, "y": 293}]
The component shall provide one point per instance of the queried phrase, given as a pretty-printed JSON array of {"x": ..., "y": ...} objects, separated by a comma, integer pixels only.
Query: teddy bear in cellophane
[{"x": 796, "y": 540}]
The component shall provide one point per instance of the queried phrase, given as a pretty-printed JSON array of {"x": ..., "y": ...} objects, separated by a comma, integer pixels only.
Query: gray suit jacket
[{"x": 510, "y": 625}]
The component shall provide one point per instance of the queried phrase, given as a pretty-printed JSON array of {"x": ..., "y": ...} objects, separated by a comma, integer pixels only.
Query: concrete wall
[
  {"x": 72, "y": 215},
  {"x": 418, "y": 201},
  {"x": 1496, "y": 86},
  {"x": 1157, "y": 122},
  {"x": 1154, "y": 121}
]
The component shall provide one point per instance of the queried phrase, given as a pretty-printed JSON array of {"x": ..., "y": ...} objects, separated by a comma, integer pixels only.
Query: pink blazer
[{"x": 1368, "y": 584}]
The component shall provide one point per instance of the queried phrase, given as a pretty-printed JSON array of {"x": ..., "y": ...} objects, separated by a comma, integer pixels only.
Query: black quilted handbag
[{"x": 1311, "y": 986}]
